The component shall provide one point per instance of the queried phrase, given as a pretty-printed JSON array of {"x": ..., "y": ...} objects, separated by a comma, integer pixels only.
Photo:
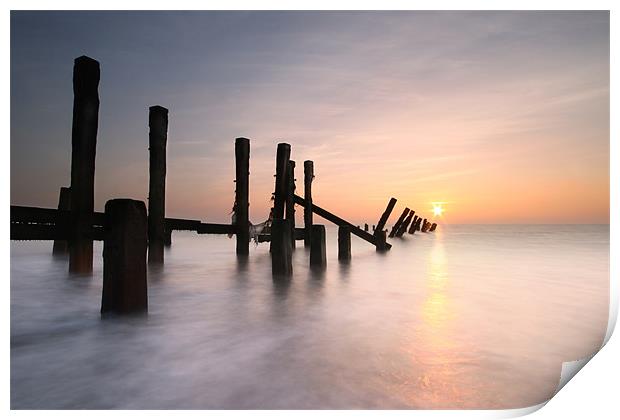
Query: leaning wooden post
[
  {"x": 242, "y": 194},
  {"x": 344, "y": 243},
  {"x": 290, "y": 202},
  {"x": 158, "y": 137},
  {"x": 308, "y": 177},
  {"x": 318, "y": 254},
  {"x": 61, "y": 246},
  {"x": 433, "y": 227},
  {"x": 403, "y": 226},
  {"x": 398, "y": 222},
  {"x": 281, "y": 251},
  {"x": 424, "y": 225},
  {"x": 124, "y": 258},
  {"x": 413, "y": 223},
  {"x": 378, "y": 231},
  {"x": 83, "y": 148}
]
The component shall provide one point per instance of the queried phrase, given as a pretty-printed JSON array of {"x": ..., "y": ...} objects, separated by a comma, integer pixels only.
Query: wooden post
[
  {"x": 424, "y": 226},
  {"x": 158, "y": 137},
  {"x": 83, "y": 148},
  {"x": 344, "y": 243},
  {"x": 281, "y": 251},
  {"x": 398, "y": 222},
  {"x": 124, "y": 257},
  {"x": 290, "y": 202},
  {"x": 417, "y": 226},
  {"x": 373, "y": 228},
  {"x": 379, "y": 230},
  {"x": 413, "y": 223},
  {"x": 433, "y": 227},
  {"x": 308, "y": 177},
  {"x": 242, "y": 194},
  {"x": 403, "y": 226},
  {"x": 318, "y": 254},
  {"x": 365, "y": 227},
  {"x": 61, "y": 246},
  {"x": 168, "y": 238}
]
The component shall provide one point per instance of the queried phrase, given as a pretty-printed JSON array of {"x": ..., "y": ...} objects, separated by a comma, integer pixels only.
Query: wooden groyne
[{"x": 134, "y": 233}]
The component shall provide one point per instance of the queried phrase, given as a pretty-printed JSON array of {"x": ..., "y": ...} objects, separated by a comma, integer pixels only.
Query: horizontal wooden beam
[
  {"x": 339, "y": 221},
  {"x": 216, "y": 228}
]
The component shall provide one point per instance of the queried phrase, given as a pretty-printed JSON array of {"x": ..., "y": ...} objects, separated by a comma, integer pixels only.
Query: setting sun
[{"x": 437, "y": 209}]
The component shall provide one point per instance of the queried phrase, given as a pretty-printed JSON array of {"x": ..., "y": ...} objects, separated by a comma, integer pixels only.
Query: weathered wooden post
[
  {"x": 281, "y": 251},
  {"x": 344, "y": 243},
  {"x": 124, "y": 258},
  {"x": 365, "y": 227},
  {"x": 398, "y": 222},
  {"x": 373, "y": 228},
  {"x": 417, "y": 226},
  {"x": 290, "y": 202},
  {"x": 242, "y": 194},
  {"x": 403, "y": 227},
  {"x": 413, "y": 224},
  {"x": 158, "y": 137},
  {"x": 83, "y": 147},
  {"x": 379, "y": 230},
  {"x": 308, "y": 177},
  {"x": 424, "y": 226},
  {"x": 318, "y": 254},
  {"x": 61, "y": 246},
  {"x": 433, "y": 227}
]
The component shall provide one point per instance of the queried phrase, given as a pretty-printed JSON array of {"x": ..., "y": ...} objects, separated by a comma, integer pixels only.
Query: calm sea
[{"x": 471, "y": 316}]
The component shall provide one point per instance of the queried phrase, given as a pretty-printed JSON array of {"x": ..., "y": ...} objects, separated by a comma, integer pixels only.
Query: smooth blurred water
[{"x": 477, "y": 316}]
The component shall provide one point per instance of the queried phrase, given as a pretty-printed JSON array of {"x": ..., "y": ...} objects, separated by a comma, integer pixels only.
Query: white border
[{"x": 595, "y": 387}]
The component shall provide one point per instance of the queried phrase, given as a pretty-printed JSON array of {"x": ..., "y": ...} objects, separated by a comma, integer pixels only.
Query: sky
[{"x": 501, "y": 116}]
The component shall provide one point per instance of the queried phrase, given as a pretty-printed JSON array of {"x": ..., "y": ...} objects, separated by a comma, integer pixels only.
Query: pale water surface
[{"x": 467, "y": 317}]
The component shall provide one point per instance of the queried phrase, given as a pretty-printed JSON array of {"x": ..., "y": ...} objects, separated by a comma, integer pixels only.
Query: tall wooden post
[
  {"x": 83, "y": 147},
  {"x": 378, "y": 231},
  {"x": 61, "y": 246},
  {"x": 158, "y": 137},
  {"x": 308, "y": 177},
  {"x": 398, "y": 222},
  {"x": 124, "y": 257},
  {"x": 424, "y": 225},
  {"x": 344, "y": 243},
  {"x": 318, "y": 254},
  {"x": 281, "y": 251},
  {"x": 290, "y": 202},
  {"x": 413, "y": 224},
  {"x": 242, "y": 194},
  {"x": 403, "y": 227}
]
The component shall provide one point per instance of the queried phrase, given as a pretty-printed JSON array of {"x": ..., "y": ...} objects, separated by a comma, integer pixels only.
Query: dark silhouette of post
[
  {"x": 168, "y": 238},
  {"x": 398, "y": 222},
  {"x": 308, "y": 177},
  {"x": 61, "y": 246},
  {"x": 242, "y": 194},
  {"x": 379, "y": 229},
  {"x": 281, "y": 249},
  {"x": 318, "y": 254},
  {"x": 433, "y": 227},
  {"x": 424, "y": 226},
  {"x": 124, "y": 258},
  {"x": 158, "y": 137},
  {"x": 413, "y": 224},
  {"x": 290, "y": 202},
  {"x": 417, "y": 226},
  {"x": 83, "y": 148},
  {"x": 344, "y": 243},
  {"x": 365, "y": 227},
  {"x": 403, "y": 227}
]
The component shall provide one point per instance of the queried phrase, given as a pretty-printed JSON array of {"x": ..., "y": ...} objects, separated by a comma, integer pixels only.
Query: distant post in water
[
  {"x": 61, "y": 247},
  {"x": 403, "y": 227},
  {"x": 433, "y": 227},
  {"x": 308, "y": 177},
  {"x": 242, "y": 194},
  {"x": 318, "y": 254},
  {"x": 398, "y": 222},
  {"x": 83, "y": 148},
  {"x": 281, "y": 248},
  {"x": 290, "y": 203},
  {"x": 158, "y": 137},
  {"x": 124, "y": 258},
  {"x": 413, "y": 223},
  {"x": 424, "y": 226},
  {"x": 344, "y": 243},
  {"x": 365, "y": 227}
]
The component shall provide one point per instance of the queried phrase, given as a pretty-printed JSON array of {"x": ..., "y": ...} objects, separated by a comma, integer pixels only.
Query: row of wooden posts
[{"x": 132, "y": 236}]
